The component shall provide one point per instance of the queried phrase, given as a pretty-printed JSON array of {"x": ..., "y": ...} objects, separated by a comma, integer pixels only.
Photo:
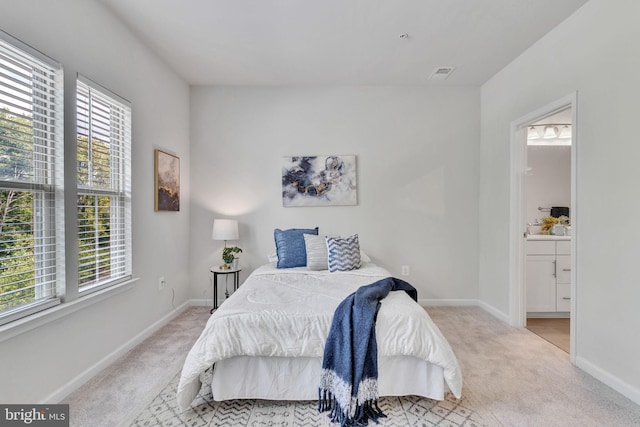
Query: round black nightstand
[{"x": 217, "y": 272}]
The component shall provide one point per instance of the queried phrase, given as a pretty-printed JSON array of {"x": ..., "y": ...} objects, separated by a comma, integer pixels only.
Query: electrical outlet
[
  {"x": 162, "y": 283},
  {"x": 405, "y": 270}
]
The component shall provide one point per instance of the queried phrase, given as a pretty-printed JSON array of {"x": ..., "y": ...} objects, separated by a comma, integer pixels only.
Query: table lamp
[{"x": 225, "y": 229}]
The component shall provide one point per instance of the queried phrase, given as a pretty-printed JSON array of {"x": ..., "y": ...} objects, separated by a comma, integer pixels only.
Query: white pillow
[{"x": 317, "y": 255}]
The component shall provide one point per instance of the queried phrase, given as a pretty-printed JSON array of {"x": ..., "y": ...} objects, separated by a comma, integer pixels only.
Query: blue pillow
[
  {"x": 290, "y": 246},
  {"x": 344, "y": 253}
]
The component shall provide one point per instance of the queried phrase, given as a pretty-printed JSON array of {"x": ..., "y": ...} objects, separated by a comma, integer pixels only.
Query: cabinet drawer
[
  {"x": 563, "y": 247},
  {"x": 563, "y": 297},
  {"x": 563, "y": 269},
  {"x": 544, "y": 247}
]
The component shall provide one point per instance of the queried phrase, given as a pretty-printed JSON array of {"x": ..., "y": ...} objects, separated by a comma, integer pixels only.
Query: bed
[{"x": 266, "y": 341}]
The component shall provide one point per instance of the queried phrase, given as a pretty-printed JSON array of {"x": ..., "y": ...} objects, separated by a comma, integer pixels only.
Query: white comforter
[{"x": 288, "y": 313}]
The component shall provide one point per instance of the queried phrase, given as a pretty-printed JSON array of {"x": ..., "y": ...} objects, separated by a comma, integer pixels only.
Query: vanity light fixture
[
  {"x": 550, "y": 132},
  {"x": 565, "y": 132},
  {"x": 533, "y": 133}
]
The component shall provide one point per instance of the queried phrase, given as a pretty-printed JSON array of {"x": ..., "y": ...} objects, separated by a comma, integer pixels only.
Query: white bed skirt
[{"x": 279, "y": 378}]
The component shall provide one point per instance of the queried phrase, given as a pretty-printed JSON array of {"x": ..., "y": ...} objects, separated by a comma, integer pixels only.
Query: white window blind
[
  {"x": 104, "y": 187},
  {"x": 31, "y": 180}
]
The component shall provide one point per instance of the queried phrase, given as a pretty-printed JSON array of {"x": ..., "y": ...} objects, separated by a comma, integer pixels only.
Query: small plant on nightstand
[{"x": 228, "y": 255}]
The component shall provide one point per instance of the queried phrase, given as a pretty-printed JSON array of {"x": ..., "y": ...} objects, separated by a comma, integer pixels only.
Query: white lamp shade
[
  {"x": 533, "y": 133},
  {"x": 550, "y": 132},
  {"x": 565, "y": 132},
  {"x": 225, "y": 229}
]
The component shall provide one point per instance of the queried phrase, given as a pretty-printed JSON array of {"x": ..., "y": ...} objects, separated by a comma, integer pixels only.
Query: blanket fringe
[
  {"x": 363, "y": 413},
  {"x": 325, "y": 399}
]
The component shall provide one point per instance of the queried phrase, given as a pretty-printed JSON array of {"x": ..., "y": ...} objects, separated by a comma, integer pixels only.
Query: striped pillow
[
  {"x": 344, "y": 253},
  {"x": 317, "y": 255}
]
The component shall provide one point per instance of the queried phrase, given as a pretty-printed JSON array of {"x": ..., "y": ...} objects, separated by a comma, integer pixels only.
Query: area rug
[{"x": 162, "y": 410}]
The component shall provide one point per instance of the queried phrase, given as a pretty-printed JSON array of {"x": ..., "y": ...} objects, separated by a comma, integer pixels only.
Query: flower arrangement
[{"x": 549, "y": 221}]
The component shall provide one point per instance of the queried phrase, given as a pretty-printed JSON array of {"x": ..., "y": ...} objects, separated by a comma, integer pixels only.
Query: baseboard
[
  {"x": 622, "y": 387},
  {"x": 200, "y": 302},
  {"x": 448, "y": 302},
  {"x": 494, "y": 312},
  {"x": 465, "y": 303},
  {"x": 92, "y": 371}
]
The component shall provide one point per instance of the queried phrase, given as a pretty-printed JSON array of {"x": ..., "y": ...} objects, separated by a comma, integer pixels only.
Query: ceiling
[{"x": 339, "y": 42}]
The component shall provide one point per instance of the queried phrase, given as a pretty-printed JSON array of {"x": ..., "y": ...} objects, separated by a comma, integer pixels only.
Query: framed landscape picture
[
  {"x": 167, "y": 182},
  {"x": 319, "y": 181}
]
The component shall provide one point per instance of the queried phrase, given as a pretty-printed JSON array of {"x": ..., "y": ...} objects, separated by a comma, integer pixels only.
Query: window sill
[{"x": 36, "y": 320}]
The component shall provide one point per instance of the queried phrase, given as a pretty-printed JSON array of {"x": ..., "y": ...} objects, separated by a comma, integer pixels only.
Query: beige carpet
[
  {"x": 512, "y": 374},
  {"x": 107, "y": 398},
  {"x": 523, "y": 380}
]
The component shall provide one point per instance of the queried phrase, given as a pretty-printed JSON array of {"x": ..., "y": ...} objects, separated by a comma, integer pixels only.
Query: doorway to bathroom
[
  {"x": 548, "y": 231},
  {"x": 543, "y": 223}
]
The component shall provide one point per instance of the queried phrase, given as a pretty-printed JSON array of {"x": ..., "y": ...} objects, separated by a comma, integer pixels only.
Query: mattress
[{"x": 279, "y": 320}]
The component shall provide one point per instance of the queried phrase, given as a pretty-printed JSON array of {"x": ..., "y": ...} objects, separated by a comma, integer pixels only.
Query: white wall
[
  {"x": 86, "y": 38},
  {"x": 548, "y": 182},
  {"x": 596, "y": 53},
  {"x": 417, "y": 159}
]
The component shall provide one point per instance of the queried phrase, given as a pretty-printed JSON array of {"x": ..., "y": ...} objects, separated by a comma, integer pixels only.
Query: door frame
[{"x": 517, "y": 220}]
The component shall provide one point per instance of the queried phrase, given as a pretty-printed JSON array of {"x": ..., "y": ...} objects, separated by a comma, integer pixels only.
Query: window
[
  {"x": 32, "y": 190},
  {"x": 104, "y": 187},
  {"x": 31, "y": 180}
]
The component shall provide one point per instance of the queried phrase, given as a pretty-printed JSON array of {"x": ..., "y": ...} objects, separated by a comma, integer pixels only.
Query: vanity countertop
[{"x": 546, "y": 237}]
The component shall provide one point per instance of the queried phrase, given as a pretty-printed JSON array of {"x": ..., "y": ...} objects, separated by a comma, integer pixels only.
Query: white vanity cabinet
[
  {"x": 563, "y": 275},
  {"x": 548, "y": 276}
]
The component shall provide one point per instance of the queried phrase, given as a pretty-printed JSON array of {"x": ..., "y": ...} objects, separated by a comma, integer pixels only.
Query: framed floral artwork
[{"x": 167, "y": 182}]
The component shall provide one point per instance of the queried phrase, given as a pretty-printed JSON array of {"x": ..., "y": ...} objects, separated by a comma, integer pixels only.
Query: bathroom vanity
[{"x": 548, "y": 276}]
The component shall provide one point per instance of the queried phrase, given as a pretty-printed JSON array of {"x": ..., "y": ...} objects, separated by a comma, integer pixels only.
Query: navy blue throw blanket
[{"x": 349, "y": 380}]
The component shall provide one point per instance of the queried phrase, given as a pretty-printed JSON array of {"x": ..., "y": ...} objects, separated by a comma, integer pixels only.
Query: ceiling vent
[{"x": 441, "y": 73}]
